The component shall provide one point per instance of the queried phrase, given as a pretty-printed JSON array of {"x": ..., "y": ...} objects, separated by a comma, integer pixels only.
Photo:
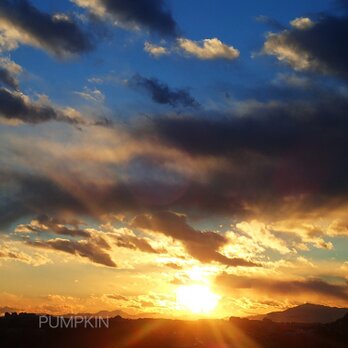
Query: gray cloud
[
  {"x": 58, "y": 35},
  {"x": 274, "y": 150},
  {"x": 90, "y": 249},
  {"x": 136, "y": 243},
  {"x": 203, "y": 246},
  {"x": 8, "y": 79},
  {"x": 319, "y": 47},
  {"x": 15, "y": 106},
  {"x": 46, "y": 224},
  {"x": 162, "y": 93}
]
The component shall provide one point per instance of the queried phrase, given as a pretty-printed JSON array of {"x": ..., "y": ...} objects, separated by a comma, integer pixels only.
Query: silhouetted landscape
[
  {"x": 22, "y": 330},
  {"x": 306, "y": 313}
]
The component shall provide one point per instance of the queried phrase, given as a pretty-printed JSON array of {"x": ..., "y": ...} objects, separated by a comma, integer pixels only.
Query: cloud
[
  {"x": 309, "y": 46},
  {"x": 136, "y": 243},
  {"x": 260, "y": 234},
  {"x": 21, "y": 22},
  {"x": 91, "y": 95},
  {"x": 155, "y": 50},
  {"x": 149, "y": 14},
  {"x": 208, "y": 49},
  {"x": 302, "y": 23},
  {"x": 260, "y": 160},
  {"x": 273, "y": 151},
  {"x": 8, "y": 73},
  {"x": 17, "y": 106},
  {"x": 202, "y": 246},
  {"x": 292, "y": 288},
  {"x": 302, "y": 233},
  {"x": 162, "y": 93},
  {"x": 28, "y": 194},
  {"x": 90, "y": 249},
  {"x": 10, "y": 250},
  {"x": 46, "y": 224}
]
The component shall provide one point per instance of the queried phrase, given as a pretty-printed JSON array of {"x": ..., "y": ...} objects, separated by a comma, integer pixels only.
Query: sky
[{"x": 156, "y": 152}]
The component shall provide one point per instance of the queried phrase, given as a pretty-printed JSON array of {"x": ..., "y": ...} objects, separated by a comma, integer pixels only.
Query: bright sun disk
[{"x": 198, "y": 299}]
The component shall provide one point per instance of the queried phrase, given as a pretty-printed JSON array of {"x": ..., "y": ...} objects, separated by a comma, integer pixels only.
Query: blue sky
[{"x": 121, "y": 53}]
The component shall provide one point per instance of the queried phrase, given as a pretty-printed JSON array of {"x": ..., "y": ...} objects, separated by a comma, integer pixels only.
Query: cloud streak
[
  {"x": 161, "y": 93},
  {"x": 90, "y": 249},
  {"x": 293, "y": 288}
]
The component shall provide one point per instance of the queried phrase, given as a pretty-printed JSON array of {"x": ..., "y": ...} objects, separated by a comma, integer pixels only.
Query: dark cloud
[
  {"x": 162, "y": 93},
  {"x": 150, "y": 14},
  {"x": 15, "y": 106},
  {"x": 46, "y": 224},
  {"x": 7, "y": 78},
  {"x": 203, "y": 246},
  {"x": 275, "y": 150},
  {"x": 25, "y": 195},
  {"x": 277, "y": 158},
  {"x": 321, "y": 47},
  {"x": 58, "y": 35},
  {"x": 90, "y": 249},
  {"x": 284, "y": 287},
  {"x": 136, "y": 243}
]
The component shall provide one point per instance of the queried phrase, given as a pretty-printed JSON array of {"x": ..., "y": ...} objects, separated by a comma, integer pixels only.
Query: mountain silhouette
[{"x": 306, "y": 313}]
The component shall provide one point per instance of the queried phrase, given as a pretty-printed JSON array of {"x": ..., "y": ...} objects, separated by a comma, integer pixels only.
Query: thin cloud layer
[
  {"x": 149, "y": 14},
  {"x": 21, "y": 22},
  {"x": 273, "y": 287},
  {"x": 161, "y": 93}
]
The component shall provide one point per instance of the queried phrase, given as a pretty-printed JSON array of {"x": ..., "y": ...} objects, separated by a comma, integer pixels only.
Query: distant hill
[{"x": 306, "y": 313}]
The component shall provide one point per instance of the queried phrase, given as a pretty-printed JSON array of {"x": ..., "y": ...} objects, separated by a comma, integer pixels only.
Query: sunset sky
[{"x": 154, "y": 152}]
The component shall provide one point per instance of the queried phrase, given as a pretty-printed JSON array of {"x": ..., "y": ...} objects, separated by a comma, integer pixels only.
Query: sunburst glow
[{"x": 197, "y": 299}]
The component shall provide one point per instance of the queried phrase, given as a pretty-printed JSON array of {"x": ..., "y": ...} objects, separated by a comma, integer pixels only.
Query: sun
[{"x": 197, "y": 299}]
